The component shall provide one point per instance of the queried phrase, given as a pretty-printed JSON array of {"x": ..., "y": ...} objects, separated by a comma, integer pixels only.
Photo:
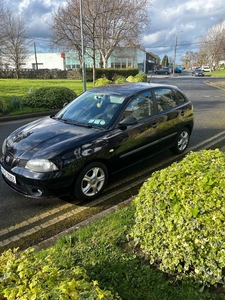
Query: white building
[
  {"x": 40, "y": 61},
  {"x": 45, "y": 61}
]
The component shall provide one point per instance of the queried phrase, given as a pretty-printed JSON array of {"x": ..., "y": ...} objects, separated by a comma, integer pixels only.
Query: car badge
[{"x": 7, "y": 159}]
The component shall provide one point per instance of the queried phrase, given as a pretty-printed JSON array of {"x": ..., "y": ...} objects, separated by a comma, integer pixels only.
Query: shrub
[
  {"x": 130, "y": 78},
  {"x": 180, "y": 215},
  {"x": 102, "y": 81},
  {"x": 16, "y": 103},
  {"x": 25, "y": 275},
  {"x": 142, "y": 77},
  {"x": 119, "y": 79},
  {"x": 49, "y": 97},
  {"x": 3, "y": 106}
]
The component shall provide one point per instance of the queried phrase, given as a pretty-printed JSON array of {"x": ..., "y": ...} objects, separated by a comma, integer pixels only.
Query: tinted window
[
  {"x": 165, "y": 98},
  {"x": 180, "y": 96}
]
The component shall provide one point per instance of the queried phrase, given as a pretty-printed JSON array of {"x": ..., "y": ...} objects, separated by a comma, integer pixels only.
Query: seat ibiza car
[{"x": 100, "y": 132}]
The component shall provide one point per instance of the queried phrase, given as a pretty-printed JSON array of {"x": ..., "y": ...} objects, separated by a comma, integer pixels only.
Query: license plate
[{"x": 7, "y": 175}]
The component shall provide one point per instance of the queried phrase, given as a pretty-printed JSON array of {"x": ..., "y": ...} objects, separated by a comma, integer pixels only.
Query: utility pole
[
  {"x": 175, "y": 52},
  {"x": 82, "y": 45},
  {"x": 35, "y": 54}
]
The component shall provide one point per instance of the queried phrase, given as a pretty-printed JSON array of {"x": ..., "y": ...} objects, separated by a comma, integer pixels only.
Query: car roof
[{"x": 129, "y": 88}]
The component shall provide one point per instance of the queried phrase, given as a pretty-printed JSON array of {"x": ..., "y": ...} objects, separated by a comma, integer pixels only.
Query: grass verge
[
  {"x": 104, "y": 250},
  {"x": 10, "y": 88}
]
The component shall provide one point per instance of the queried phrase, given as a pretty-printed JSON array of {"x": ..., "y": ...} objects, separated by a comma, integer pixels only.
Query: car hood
[{"x": 47, "y": 137}]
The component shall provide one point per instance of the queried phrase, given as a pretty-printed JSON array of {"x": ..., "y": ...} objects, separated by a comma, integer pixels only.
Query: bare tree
[
  {"x": 65, "y": 28},
  {"x": 117, "y": 23},
  {"x": 106, "y": 25},
  {"x": 14, "y": 39},
  {"x": 189, "y": 58},
  {"x": 212, "y": 47},
  {"x": 1, "y": 16}
]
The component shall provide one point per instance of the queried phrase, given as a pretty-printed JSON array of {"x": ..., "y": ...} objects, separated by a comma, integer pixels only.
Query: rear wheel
[
  {"x": 182, "y": 141},
  {"x": 91, "y": 181}
]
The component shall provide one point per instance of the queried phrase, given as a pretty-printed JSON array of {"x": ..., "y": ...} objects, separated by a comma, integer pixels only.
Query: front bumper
[{"x": 40, "y": 186}]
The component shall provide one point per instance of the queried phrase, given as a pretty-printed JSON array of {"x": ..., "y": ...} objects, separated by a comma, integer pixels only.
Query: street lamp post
[{"x": 82, "y": 47}]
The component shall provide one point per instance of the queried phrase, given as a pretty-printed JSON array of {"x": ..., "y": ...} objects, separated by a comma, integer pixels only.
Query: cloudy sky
[{"x": 185, "y": 19}]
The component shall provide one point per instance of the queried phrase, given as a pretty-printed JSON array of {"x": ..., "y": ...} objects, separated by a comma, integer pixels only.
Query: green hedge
[
  {"x": 110, "y": 74},
  {"x": 49, "y": 97},
  {"x": 180, "y": 217}
]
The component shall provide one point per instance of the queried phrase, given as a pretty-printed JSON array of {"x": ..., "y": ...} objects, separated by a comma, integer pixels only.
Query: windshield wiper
[{"x": 76, "y": 123}]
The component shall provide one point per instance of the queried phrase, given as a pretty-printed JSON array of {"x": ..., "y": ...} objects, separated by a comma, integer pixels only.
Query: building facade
[{"x": 121, "y": 57}]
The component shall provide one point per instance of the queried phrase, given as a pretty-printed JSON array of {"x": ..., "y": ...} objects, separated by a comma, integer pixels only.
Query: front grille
[
  {"x": 11, "y": 162},
  {"x": 22, "y": 163},
  {"x": 8, "y": 160}
]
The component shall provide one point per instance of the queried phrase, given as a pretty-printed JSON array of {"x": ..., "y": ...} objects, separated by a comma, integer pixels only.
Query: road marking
[{"x": 209, "y": 142}]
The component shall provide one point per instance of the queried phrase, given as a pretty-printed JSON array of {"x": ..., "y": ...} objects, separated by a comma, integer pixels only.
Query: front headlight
[
  {"x": 41, "y": 165},
  {"x": 4, "y": 147}
]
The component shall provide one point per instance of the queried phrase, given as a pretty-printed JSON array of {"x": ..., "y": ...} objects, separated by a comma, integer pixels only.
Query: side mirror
[{"x": 129, "y": 120}]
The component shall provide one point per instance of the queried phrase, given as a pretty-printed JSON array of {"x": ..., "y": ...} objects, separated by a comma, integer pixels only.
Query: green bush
[
  {"x": 130, "y": 78},
  {"x": 3, "y": 106},
  {"x": 142, "y": 77},
  {"x": 49, "y": 97},
  {"x": 16, "y": 103},
  {"x": 102, "y": 81},
  {"x": 119, "y": 79},
  {"x": 180, "y": 217},
  {"x": 26, "y": 275}
]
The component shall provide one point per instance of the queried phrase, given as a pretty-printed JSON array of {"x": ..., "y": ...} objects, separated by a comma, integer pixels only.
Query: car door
[
  {"x": 171, "y": 115},
  {"x": 134, "y": 141}
]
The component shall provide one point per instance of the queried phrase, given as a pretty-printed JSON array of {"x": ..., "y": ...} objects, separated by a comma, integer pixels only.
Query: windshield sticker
[{"x": 97, "y": 121}]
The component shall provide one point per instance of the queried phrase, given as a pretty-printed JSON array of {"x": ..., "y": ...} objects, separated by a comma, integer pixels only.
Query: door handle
[{"x": 154, "y": 125}]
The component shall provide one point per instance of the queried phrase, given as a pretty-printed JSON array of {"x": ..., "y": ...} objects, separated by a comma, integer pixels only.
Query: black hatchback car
[{"x": 100, "y": 132}]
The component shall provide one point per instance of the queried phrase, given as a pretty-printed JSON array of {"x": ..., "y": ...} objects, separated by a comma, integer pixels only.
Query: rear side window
[
  {"x": 165, "y": 98},
  {"x": 180, "y": 96}
]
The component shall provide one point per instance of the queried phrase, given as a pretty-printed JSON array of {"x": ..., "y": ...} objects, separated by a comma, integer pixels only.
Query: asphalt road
[{"x": 209, "y": 110}]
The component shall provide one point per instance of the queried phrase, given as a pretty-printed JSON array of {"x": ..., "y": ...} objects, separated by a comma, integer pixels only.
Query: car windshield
[{"x": 92, "y": 109}]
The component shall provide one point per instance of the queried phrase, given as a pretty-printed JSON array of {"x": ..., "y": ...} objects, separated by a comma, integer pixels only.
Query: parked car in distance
[
  {"x": 205, "y": 68},
  {"x": 99, "y": 133},
  {"x": 178, "y": 70},
  {"x": 197, "y": 72},
  {"x": 163, "y": 71}
]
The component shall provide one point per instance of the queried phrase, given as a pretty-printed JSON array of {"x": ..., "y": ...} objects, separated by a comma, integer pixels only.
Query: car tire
[
  {"x": 182, "y": 141},
  {"x": 91, "y": 181},
  {"x": 166, "y": 73}
]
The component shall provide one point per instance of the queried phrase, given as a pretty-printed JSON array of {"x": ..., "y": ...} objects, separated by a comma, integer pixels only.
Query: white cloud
[{"x": 168, "y": 19}]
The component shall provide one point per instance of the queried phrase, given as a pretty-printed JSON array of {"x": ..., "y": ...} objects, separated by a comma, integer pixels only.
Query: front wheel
[
  {"x": 182, "y": 141},
  {"x": 91, "y": 181}
]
